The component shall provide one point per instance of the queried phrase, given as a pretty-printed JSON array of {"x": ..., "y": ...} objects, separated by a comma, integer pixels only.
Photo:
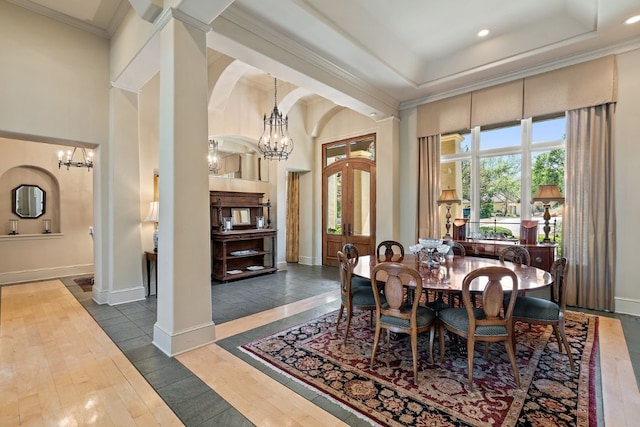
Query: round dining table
[{"x": 449, "y": 275}]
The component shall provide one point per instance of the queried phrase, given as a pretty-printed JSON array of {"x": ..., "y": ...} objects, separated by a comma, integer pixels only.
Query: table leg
[{"x": 149, "y": 277}]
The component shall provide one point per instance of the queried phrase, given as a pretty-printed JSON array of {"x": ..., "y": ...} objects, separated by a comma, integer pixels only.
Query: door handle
[{"x": 349, "y": 229}]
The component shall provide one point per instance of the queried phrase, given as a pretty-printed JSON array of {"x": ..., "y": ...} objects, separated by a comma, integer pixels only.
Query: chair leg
[
  {"x": 470, "y": 350},
  {"x": 560, "y": 329},
  {"x": 339, "y": 316},
  {"x": 414, "y": 352},
  {"x": 512, "y": 359},
  {"x": 346, "y": 331},
  {"x": 441, "y": 333},
  {"x": 376, "y": 340},
  {"x": 432, "y": 333}
]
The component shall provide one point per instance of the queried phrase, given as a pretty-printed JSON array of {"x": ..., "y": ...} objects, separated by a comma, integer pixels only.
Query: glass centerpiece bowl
[
  {"x": 429, "y": 251},
  {"x": 415, "y": 249},
  {"x": 430, "y": 244}
]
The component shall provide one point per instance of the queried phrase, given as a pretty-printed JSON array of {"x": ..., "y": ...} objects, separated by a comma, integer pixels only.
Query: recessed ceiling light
[
  {"x": 484, "y": 32},
  {"x": 632, "y": 20},
  {"x": 373, "y": 114}
]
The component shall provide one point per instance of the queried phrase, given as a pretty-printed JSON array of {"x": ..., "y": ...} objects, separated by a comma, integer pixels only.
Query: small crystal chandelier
[
  {"x": 87, "y": 159},
  {"x": 214, "y": 158},
  {"x": 275, "y": 142}
]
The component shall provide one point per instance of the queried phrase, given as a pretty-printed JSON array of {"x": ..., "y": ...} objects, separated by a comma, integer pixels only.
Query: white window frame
[{"x": 525, "y": 149}]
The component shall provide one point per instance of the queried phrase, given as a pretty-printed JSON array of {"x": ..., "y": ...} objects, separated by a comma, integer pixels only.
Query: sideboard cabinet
[
  {"x": 242, "y": 242},
  {"x": 542, "y": 254}
]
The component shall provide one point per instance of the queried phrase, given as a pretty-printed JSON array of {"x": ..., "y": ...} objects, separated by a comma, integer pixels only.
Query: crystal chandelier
[
  {"x": 87, "y": 159},
  {"x": 214, "y": 158},
  {"x": 275, "y": 142}
]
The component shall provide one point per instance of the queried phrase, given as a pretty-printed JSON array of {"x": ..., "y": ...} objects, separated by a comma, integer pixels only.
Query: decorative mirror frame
[
  {"x": 241, "y": 216},
  {"x": 15, "y": 199}
]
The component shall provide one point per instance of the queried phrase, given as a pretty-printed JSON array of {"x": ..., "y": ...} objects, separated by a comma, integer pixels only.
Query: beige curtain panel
[
  {"x": 589, "y": 225},
  {"x": 293, "y": 217},
  {"x": 428, "y": 186}
]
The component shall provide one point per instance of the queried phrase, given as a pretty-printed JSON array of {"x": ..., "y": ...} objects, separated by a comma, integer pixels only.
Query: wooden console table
[{"x": 238, "y": 254}]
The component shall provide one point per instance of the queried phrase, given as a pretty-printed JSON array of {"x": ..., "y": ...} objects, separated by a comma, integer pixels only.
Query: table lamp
[
  {"x": 154, "y": 208},
  {"x": 547, "y": 193},
  {"x": 448, "y": 197}
]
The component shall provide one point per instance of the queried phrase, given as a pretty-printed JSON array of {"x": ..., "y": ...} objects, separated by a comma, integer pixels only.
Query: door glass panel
[
  {"x": 335, "y": 153},
  {"x": 361, "y": 203},
  {"x": 362, "y": 148},
  {"x": 334, "y": 203}
]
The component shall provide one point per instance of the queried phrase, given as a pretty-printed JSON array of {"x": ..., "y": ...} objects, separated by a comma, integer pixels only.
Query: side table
[{"x": 152, "y": 257}]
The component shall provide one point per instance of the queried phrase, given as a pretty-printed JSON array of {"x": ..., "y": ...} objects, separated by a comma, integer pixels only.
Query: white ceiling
[{"x": 378, "y": 56}]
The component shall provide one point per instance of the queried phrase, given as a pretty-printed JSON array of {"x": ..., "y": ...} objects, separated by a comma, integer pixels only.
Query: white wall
[
  {"x": 627, "y": 177},
  {"x": 55, "y": 79}
]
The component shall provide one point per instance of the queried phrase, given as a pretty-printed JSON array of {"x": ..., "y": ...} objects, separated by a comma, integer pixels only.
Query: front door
[{"x": 348, "y": 188}]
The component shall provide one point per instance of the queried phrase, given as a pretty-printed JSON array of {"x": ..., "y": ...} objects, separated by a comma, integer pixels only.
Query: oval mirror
[{"x": 28, "y": 201}]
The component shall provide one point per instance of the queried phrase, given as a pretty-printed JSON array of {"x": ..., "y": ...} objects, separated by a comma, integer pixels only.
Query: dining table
[{"x": 447, "y": 276}]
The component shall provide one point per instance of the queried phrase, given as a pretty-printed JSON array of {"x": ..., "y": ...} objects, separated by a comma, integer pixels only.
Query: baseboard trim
[
  {"x": 185, "y": 340},
  {"x": 13, "y": 277},
  {"x": 627, "y": 306}
]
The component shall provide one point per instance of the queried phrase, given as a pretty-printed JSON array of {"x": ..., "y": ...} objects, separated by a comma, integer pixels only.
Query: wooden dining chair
[
  {"x": 490, "y": 323},
  {"x": 457, "y": 248},
  {"x": 351, "y": 252},
  {"x": 516, "y": 254},
  {"x": 540, "y": 311},
  {"x": 397, "y": 314},
  {"x": 390, "y": 247},
  {"x": 359, "y": 297}
]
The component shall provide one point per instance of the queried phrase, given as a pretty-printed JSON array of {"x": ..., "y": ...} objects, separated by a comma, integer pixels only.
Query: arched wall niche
[{"x": 29, "y": 175}]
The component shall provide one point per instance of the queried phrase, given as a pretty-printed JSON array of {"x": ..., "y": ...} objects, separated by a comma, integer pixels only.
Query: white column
[
  {"x": 408, "y": 175},
  {"x": 119, "y": 278},
  {"x": 184, "y": 246},
  {"x": 388, "y": 180}
]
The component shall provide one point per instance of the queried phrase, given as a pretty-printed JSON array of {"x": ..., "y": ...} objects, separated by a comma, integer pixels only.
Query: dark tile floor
[{"x": 130, "y": 326}]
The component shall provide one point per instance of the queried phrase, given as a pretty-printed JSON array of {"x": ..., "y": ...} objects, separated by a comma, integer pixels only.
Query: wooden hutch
[
  {"x": 542, "y": 254},
  {"x": 240, "y": 246}
]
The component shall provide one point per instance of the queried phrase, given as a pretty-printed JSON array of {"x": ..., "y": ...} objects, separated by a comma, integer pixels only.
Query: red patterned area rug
[{"x": 550, "y": 394}]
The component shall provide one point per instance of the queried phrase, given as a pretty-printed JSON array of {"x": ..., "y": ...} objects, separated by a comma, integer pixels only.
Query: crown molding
[{"x": 60, "y": 17}]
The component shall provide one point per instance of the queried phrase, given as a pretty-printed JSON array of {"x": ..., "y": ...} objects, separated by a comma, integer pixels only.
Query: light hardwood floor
[{"x": 57, "y": 367}]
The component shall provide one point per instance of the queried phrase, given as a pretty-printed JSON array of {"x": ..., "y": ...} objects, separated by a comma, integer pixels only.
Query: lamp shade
[
  {"x": 152, "y": 216},
  {"x": 449, "y": 197},
  {"x": 547, "y": 193}
]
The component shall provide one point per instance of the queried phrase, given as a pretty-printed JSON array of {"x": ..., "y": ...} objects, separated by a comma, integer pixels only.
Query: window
[{"x": 496, "y": 171}]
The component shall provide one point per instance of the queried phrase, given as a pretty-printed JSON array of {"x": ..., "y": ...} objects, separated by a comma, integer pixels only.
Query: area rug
[
  {"x": 550, "y": 394},
  {"x": 86, "y": 283}
]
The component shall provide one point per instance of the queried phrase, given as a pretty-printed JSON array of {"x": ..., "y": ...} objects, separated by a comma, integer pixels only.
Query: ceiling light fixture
[
  {"x": 275, "y": 142},
  {"x": 484, "y": 32},
  {"x": 87, "y": 159},
  {"x": 214, "y": 157},
  {"x": 632, "y": 20}
]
